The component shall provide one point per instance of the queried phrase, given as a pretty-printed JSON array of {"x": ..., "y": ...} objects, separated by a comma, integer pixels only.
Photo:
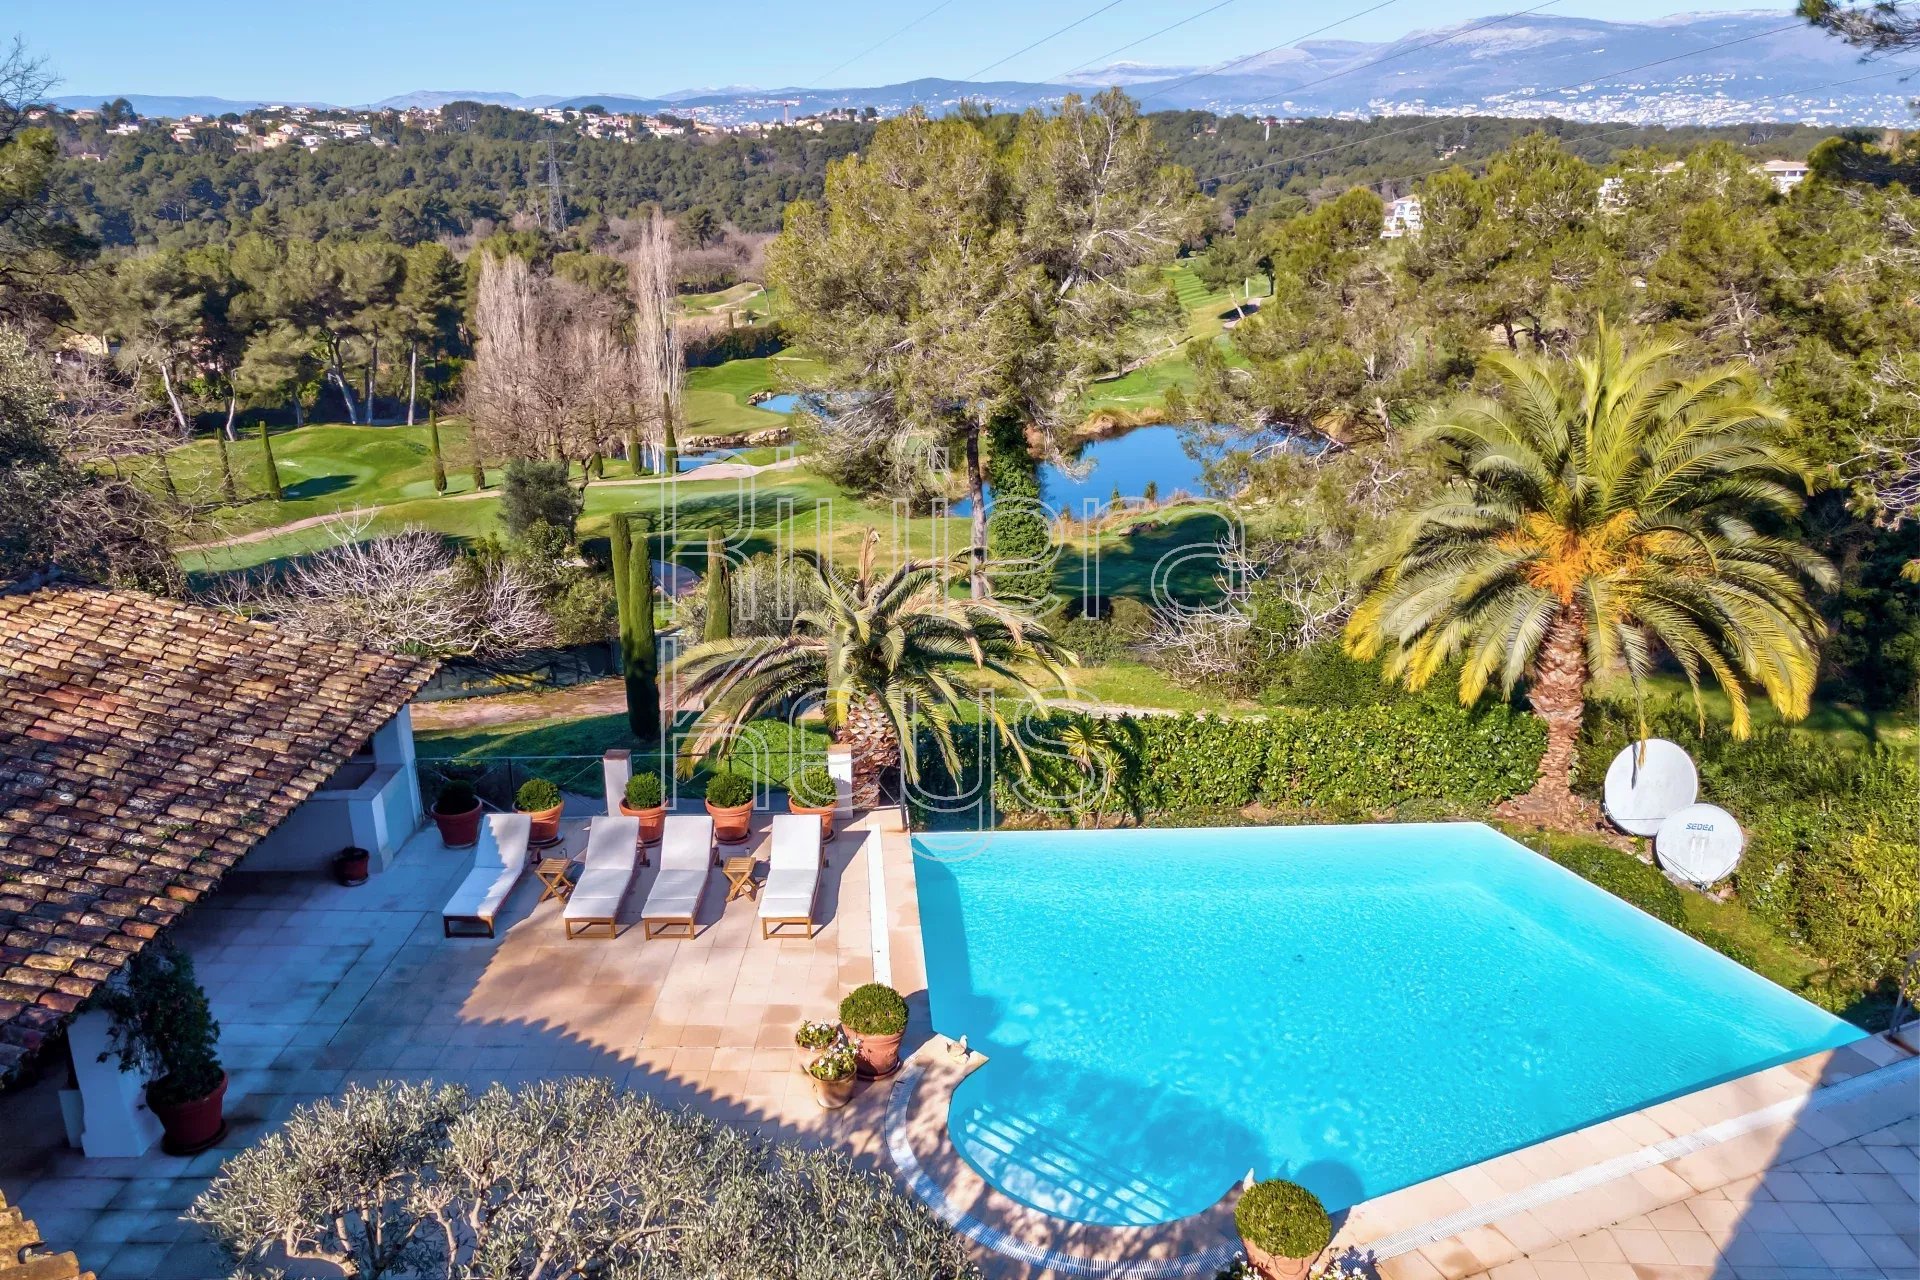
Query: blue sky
[{"x": 354, "y": 51}]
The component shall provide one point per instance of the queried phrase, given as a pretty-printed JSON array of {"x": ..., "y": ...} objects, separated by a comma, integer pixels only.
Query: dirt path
[
  {"x": 595, "y": 698},
  {"x": 712, "y": 471}
]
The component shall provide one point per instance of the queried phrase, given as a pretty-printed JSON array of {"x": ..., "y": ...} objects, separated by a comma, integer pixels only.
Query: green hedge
[
  {"x": 1622, "y": 875},
  {"x": 1337, "y": 761}
]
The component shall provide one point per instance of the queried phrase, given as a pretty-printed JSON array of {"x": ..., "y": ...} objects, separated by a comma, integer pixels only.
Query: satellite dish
[
  {"x": 1701, "y": 844},
  {"x": 1647, "y": 783}
]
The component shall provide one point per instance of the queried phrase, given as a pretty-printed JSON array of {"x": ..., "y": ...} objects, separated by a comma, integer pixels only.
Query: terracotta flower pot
[
  {"x": 352, "y": 866},
  {"x": 1275, "y": 1266},
  {"x": 825, "y": 815},
  {"x": 832, "y": 1094},
  {"x": 459, "y": 830},
  {"x": 546, "y": 825},
  {"x": 731, "y": 825},
  {"x": 194, "y": 1125},
  {"x": 877, "y": 1056},
  {"x": 653, "y": 822}
]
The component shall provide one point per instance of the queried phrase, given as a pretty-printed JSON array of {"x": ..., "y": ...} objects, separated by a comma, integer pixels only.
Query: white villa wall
[{"x": 377, "y": 815}]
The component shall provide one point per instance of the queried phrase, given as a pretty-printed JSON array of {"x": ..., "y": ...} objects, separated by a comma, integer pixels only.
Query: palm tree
[
  {"x": 1598, "y": 508},
  {"x": 877, "y": 650}
]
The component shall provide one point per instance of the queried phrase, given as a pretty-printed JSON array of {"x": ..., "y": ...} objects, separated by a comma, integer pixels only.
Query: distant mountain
[
  {"x": 1714, "y": 68},
  {"x": 427, "y": 98},
  {"x": 168, "y": 105}
]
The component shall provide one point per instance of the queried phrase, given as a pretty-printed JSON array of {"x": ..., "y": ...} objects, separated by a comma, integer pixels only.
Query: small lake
[{"x": 1128, "y": 462}]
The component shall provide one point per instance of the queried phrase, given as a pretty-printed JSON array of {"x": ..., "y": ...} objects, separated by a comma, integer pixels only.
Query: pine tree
[
  {"x": 719, "y": 590},
  {"x": 633, "y": 593},
  {"x": 273, "y": 472}
]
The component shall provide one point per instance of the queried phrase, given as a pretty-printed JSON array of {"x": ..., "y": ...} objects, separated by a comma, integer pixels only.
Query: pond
[{"x": 1128, "y": 462}]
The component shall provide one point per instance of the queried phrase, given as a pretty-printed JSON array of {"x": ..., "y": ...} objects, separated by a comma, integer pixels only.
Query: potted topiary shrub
[
  {"x": 813, "y": 1039},
  {"x": 541, "y": 801},
  {"x": 811, "y": 791},
  {"x": 646, "y": 799},
  {"x": 730, "y": 802},
  {"x": 1283, "y": 1227},
  {"x": 876, "y": 1017},
  {"x": 163, "y": 1027},
  {"x": 833, "y": 1072},
  {"x": 352, "y": 865},
  {"x": 456, "y": 811}
]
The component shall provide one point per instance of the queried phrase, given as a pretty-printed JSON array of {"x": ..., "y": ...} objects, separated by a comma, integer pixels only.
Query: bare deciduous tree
[
  {"x": 408, "y": 593},
  {"x": 656, "y": 331}
]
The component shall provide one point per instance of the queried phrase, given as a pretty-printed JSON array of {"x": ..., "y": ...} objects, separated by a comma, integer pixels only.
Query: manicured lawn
[
  {"x": 716, "y": 397},
  {"x": 769, "y": 751}
]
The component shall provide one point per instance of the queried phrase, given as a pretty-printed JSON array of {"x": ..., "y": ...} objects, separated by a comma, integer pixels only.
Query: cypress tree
[
  {"x": 227, "y": 486},
  {"x": 433, "y": 440},
  {"x": 1019, "y": 541},
  {"x": 669, "y": 444},
  {"x": 273, "y": 472},
  {"x": 719, "y": 590},
  {"x": 633, "y": 592}
]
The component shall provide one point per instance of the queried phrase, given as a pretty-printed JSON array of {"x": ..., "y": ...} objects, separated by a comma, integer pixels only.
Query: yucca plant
[
  {"x": 1601, "y": 509},
  {"x": 876, "y": 651}
]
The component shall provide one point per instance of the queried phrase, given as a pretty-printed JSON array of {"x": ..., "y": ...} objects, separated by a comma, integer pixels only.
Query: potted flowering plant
[
  {"x": 163, "y": 1027},
  {"x": 811, "y": 791},
  {"x": 833, "y": 1073},
  {"x": 646, "y": 799},
  {"x": 812, "y": 1039},
  {"x": 541, "y": 801},
  {"x": 456, "y": 811},
  {"x": 730, "y": 802},
  {"x": 875, "y": 1018},
  {"x": 1283, "y": 1227}
]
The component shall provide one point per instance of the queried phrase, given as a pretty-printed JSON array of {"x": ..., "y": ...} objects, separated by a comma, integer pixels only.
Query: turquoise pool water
[{"x": 1356, "y": 1008}]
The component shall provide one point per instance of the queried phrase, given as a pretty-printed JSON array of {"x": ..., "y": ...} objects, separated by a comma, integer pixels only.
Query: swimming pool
[{"x": 1355, "y": 1008}]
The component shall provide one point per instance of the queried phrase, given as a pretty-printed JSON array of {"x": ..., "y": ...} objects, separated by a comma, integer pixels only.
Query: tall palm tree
[
  {"x": 877, "y": 650},
  {"x": 1599, "y": 509}
]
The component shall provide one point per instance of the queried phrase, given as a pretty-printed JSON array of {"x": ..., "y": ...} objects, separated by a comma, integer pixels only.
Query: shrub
[
  {"x": 162, "y": 1026},
  {"x": 562, "y": 1177},
  {"x": 728, "y": 790},
  {"x": 874, "y": 1010},
  {"x": 1283, "y": 1218},
  {"x": 1622, "y": 875},
  {"x": 537, "y": 492},
  {"x": 644, "y": 791},
  {"x": 457, "y": 796},
  {"x": 536, "y": 795},
  {"x": 1856, "y": 902},
  {"x": 1727, "y": 945},
  {"x": 813, "y": 787}
]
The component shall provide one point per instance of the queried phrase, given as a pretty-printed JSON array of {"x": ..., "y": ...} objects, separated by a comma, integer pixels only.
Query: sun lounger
[
  {"x": 793, "y": 875},
  {"x": 686, "y": 864},
  {"x": 606, "y": 873},
  {"x": 499, "y": 860}
]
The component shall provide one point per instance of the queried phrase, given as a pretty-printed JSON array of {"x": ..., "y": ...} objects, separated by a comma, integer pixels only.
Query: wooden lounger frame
[
  {"x": 477, "y": 922},
  {"x": 660, "y": 927},
  {"x": 584, "y": 927},
  {"x": 770, "y": 926}
]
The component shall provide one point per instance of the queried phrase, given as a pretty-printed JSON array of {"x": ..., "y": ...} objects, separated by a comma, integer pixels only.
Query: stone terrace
[{"x": 318, "y": 986}]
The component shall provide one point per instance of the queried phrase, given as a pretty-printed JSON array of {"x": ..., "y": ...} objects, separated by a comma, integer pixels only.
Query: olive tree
[{"x": 558, "y": 1179}]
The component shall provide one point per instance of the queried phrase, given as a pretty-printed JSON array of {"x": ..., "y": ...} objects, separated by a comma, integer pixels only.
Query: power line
[
  {"x": 824, "y": 76},
  {"x": 1234, "y": 62},
  {"x": 1566, "y": 88},
  {"x": 1043, "y": 39},
  {"x": 1143, "y": 39}
]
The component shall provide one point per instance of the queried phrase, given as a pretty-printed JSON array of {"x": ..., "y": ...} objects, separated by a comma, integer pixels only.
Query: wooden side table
[
  {"x": 555, "y": 881},
  {"x": 740, "y": 883}
]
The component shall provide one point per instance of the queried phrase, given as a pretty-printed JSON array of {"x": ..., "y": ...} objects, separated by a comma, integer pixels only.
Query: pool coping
[{"x": 1459, "y": 1223}]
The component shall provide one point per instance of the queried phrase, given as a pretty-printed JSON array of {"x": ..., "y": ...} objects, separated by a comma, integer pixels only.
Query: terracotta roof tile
[{"x": 145, "y": 747}]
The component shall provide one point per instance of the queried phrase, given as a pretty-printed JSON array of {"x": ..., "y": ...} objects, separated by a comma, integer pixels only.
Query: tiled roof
[
  {"x": 145, "y": 745},
  {"x": 23, "y": 1256}
]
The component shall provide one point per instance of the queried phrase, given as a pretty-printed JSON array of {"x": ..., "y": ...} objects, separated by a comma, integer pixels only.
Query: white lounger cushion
[
  {"x": 498, "y": 862},
  {"x": 686, "y": 859},
  {"x": 606, "y": 869},
  {"x": 793, "y": 868}
]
